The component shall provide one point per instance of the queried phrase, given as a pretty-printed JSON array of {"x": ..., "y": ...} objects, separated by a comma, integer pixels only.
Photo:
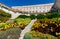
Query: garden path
[{"x": 27, "y": 28}]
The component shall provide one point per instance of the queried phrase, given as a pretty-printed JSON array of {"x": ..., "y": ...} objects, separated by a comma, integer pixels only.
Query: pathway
[{"x": 27, "y": 29}]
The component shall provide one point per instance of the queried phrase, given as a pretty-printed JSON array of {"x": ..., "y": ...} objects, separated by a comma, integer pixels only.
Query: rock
[
  {"x": 13, "y": 37},
  {"x": 56, "y": 6},
  {"x": 13, "y": 33},
  {"x": 3, "y": 35},
  {"x": 57, "y": 3}
]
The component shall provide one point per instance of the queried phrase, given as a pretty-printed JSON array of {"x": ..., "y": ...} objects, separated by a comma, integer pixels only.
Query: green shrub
[
  {"x": 27, "y": 36},
  {"x": 38, "y": 35},
  {"x": 4, "y": 16},
  {"x": 22, "y": 16},
  {"x": 55, "y": 15},
  {"x": 25, "y": 21},
  {"x": 41, "y": 16},
  {"x": 49, "y": 15},
  {"x": 32, "y": 16},
  {"x": 2, "y": 25}
]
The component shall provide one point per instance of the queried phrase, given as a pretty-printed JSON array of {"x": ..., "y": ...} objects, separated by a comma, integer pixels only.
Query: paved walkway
[{"x": 27, "y": 29}]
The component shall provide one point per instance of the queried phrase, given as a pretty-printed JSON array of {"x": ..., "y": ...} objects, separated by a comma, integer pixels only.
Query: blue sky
[{"x": 24, "y": 2}]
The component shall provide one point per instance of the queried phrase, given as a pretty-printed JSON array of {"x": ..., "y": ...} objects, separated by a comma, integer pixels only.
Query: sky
[{"x": 11, "y": 3}]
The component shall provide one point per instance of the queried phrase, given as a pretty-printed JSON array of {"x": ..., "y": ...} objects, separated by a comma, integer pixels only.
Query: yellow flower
[
  {"x": 59, "y": 24},
  {"x": 8, "y": 27},
  {"x": 53, "y": 22},
  {"x": 57, "y": 33},
  {"x": 51, "y": 29},
  {"x": 50, "y": 21},
  {"x": 5, "y": 27},
  {"x": 43, "y": 26}
]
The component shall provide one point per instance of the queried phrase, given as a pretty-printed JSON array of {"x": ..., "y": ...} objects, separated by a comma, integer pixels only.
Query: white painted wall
[
  {"x": 13, "y": 14},
  {"x": 35, "y": 8}
]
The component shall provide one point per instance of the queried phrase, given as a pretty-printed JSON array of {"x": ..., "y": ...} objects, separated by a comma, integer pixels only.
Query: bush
[
  {"x": 27, "y": 36},
  {"x": 32, "y": 16},
  {"x": 21, "y": 22},
  {"x": 38, "y": 35},
  {"x": 4, "y": 16},
  {"x": 41, "y": 16},
  {"x": 22, "y": 16},
  {"x": 49, "y": 15},
  {"x": 25, "y": 21},
  {"x": 53, "y": 15}
]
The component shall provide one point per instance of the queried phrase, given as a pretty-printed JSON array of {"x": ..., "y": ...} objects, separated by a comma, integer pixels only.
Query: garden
[{"x": 47, "y": 26}]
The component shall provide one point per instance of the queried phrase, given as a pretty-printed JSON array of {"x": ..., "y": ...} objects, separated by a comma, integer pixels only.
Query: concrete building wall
[
  {"x": 13, "y": 14},
  {"x": 35, "y": 8}
]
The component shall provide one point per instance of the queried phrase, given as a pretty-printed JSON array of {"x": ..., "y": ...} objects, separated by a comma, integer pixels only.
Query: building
[
  {"x": 27, "y": 10},
  {"x": 41, "y": 8},
  {"x": 14, "y": 13}
]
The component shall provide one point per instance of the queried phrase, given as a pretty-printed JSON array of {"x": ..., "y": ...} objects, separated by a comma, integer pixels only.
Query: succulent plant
[{"x": 27, "y": 36}]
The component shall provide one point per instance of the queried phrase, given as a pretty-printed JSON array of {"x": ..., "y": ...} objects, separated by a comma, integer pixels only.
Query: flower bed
[
  {"x": 21, "y": 22},
  {"x": 5, "y": 26},
  {"x": 38, "y": 35},
  {"x": 44, "y": 29},
  {"x": 47, "y": 26}
]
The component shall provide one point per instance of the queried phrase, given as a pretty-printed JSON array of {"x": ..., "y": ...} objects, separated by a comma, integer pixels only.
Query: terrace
[{"x": 45, "y": 25}]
